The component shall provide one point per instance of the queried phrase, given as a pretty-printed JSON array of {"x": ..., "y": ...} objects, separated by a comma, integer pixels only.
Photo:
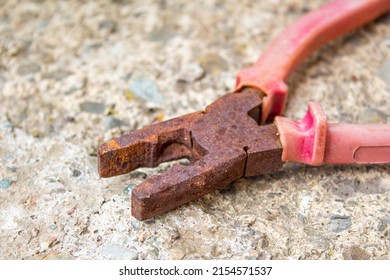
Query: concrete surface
[{"x": 67, "y": 75}]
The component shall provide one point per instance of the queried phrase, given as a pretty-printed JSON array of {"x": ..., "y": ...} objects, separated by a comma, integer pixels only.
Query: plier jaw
[
  {"x": 148, "y": 147},
  {"x": 223, "y": 144}
]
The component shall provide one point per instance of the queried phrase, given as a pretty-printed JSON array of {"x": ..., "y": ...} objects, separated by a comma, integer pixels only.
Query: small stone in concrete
[
  {"x": 128, "y": 188},
  {"x": 92, "y": 160},
  {"x": 92, "y": 107},
  {"x": 57, "y": 75},
  {"x": 43, "y": 24},
  {"x": 26, "y": 69},
  {"x": 213, "y": 63},
  {"x": 135, "y": 223},
  {"x": 112, "y": 122},
  {"x": 383, "y": 223},
  {"x": 76, "y": 173},
  {"x": 191, "y": 73},
  {"x": 108, "y": 25},
  {"x": 55, "y": 255},
  {"x": 59, "y": 256},
  {"x": 115, "y": 252},
  {"x": 339, "y": 223},
  {"x": 285, "y": 210},
  {"x": 321, "y": 242},
  {"x": 146, "y": 90},
  {"x": 3, "y": 80},
  {"x": 152, "y": 251},
  {"x": 247, "y": 220},
  {"x": 302, "y": 218},
  {"x": 384, "y": 72},
  {"x": 11, "y": 168},
  {"x": 139, "y": 174},
  {"x": 5, "y": 184},
  {"x": 371, "y": 116},
  {"x": 341, "y": 217},
  {"x": 355, "y": 253},
  {"x": 8, "y": 126},
  {"x": 162, "y": 35}
]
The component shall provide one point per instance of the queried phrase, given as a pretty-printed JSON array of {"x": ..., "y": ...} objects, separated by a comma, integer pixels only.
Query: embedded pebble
[
  {"x": 93, "y": 161},
  {"x": 355, "y": 253},
  {"x": 5, "y": 184},
  {"x": 3, "y": 80},
  {"x": 146, "y": 90},
  {"x": 285, "y": 210},
  {"x": 55, "y": 255},
  {"x": 11, "y": 168},
  {"x": 8, "y": 126},
  {"x": 26, "y": 69},
  {"x": 139, "y": 174},
  {"x": 302, "y": 218},
  {"x": 176, "y": 253},
  {"x": 135, "y": 223},
  {"x": 384, "y": 72},
  {"x": 42, "y": 24},
  {"x": 112, "y": 122},
  {"x": 162, "y": 35},
  {"x": 247, "y": 220},
  {"x": 128, "y": 188},
  {"x": 321, "y": 242},
  {"x": 115, "y": 252},
  {"x": 339, "y": 217},
  {"x": 152, "y": 250},
  {"x": 57, "y": 75},
  {"x": 212, "y": 63},
  {"x": 34, "y": 232},
  {"x": 43, "y": 246},
  {"x": 372, "y": 116},
  {"x": 383, "y": 223},
  {"x": 57, "y": 191},
  {"x": 108, "y": 25},
  {"x": 92, "y": 107},
  {"x": 76, "y": 173},
  {"x": 191, "y": 73},
  {"x": 339, "y": 223}
]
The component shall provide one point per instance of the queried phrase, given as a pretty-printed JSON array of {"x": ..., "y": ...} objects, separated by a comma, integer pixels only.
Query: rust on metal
[{"x": 223, "y": 143}]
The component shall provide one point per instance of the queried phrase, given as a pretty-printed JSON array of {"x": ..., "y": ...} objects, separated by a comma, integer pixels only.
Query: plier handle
[{"x": 298, "y": 41}]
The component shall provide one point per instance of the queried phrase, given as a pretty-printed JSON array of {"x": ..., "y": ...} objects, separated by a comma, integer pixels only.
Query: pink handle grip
[
  {"x": 313, "y": 141},
  {"x": 298, "y": 41},
  {"x": 351, "y": 143}
]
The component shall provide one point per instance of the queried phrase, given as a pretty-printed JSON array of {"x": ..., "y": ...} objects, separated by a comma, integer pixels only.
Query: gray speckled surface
[{"x": 66, "y": 70}]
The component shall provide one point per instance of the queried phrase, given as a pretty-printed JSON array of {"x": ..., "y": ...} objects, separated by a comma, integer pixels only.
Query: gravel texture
[{"x": 74, "y": 74}]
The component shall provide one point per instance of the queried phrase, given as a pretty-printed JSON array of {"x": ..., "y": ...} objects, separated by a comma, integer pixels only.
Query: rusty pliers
[{"x": 228, "y": 140}]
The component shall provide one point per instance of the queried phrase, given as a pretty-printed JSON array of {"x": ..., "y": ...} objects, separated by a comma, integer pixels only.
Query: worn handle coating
[
  {"x": 313, "y": 141},
  {"x": 298, "y": 41}
]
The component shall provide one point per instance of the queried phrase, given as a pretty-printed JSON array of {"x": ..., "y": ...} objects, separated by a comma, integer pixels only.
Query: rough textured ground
[{"x": 69, "y": 73}]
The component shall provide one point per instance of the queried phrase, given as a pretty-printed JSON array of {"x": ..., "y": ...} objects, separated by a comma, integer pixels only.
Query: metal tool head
[{"x": 223, "y": 143}]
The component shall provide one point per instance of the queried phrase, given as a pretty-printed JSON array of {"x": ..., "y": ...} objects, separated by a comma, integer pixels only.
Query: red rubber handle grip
[
  {"x": 353, "y": 143},
  {"x": 313, "y": 141},
  {"x": 295, "y": 43}
]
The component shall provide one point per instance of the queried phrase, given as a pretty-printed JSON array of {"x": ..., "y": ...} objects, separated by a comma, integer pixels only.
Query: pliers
[{"x": 230, "y": 138}]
